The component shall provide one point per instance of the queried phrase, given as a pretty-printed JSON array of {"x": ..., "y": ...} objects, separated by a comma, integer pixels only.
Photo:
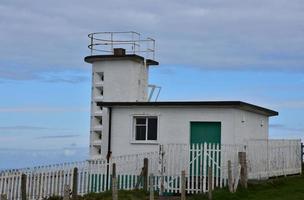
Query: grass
[
  {"x": 275, "y": 189},
  {"x": 122, "y": 194}
]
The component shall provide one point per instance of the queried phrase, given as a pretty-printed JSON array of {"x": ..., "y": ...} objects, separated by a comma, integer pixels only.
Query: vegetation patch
[{"x": 274, "y": 189}]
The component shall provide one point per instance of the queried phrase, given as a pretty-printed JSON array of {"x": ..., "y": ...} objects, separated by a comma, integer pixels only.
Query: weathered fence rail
[{"x": 264, "y": 159}]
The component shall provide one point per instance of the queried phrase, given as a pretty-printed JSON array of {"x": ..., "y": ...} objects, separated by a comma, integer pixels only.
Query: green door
[
  {"x": 209, "y": 132},
  {"x": 201, "y": 132}
]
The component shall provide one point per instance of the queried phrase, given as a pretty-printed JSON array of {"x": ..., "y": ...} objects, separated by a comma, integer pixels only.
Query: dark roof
[
  {"x": 134, "y": 57},
  {"x": 210, "y": 104}
]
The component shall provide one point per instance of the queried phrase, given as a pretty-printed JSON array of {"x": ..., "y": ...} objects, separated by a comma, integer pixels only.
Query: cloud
[
  {"x": 12, "y": 74},
  {"x": 64, "y": 77},
  {"x": 58, "y": 136},
  {"x": 69, "y": 152},
  {"x": 285, "y": 128},
  {"x": 20, "y": 158},
  {"x": 32, "y": 128},
  {"x": 226, "y": 35},
  {"x": 299, "y": 104},
  {"x": 71, "y": 80},
  {"x": 43, "y": 109},
  {"x": 71, "y": 77}
]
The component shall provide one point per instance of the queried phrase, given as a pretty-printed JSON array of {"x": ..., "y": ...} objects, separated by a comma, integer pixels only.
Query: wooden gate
[{"x": 195, "y": 160}]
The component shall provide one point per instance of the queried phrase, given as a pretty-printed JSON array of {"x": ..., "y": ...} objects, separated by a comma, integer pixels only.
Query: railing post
[
  {"x": 112, "y": 48},
  {"x": 23, "y": 187},
  {"x": 92, "y": 45},
  {"x": 75, "y": 183},
  {"x": 133, "y": 43}
]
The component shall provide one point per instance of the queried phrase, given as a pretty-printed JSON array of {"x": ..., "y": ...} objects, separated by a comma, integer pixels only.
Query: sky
[{"x": 244, "y": 50}]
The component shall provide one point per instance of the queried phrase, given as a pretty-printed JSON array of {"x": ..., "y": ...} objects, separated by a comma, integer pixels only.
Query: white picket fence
[
  {"x": 93, "y": 176},
  {"x": 264, "y": 159},
  {"x": 273, "y": 158}
]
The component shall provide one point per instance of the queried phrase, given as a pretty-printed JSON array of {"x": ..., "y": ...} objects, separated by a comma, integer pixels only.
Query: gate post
[{"x": 183, "y": 189}]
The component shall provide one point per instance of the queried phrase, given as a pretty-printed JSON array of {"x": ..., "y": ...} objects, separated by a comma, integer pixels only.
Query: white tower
[{"x": 120, "y": 65}]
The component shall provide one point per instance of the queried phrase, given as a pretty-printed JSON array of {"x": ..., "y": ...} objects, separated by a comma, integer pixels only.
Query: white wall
[
  {"x": 124, "y": 80},
  {"x": 250, "y": 126},
  {"x": 174, "y": 126}
]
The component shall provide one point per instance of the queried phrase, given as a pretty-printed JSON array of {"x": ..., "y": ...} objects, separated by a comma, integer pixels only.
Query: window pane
[
  {"x": 152, "y": 129},
  {"x": 140, "y": 133},
  {"x": 140, "y": 120}
]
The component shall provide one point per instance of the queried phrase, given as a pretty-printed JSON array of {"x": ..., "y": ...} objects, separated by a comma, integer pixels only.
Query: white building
[{"x": 123, "y": 121}]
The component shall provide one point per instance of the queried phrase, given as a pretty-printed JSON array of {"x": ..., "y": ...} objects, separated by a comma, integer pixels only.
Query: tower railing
[{"x": 103, "y": 43}]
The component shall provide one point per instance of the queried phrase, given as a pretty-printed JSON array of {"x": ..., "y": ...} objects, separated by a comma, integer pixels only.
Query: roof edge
[
  {"x": 134, "y": 57},
  {"x": 223, "y": 104}
]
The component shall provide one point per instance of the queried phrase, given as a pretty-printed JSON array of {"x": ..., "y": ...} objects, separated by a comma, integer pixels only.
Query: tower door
[{"x": 201, "y": 132}]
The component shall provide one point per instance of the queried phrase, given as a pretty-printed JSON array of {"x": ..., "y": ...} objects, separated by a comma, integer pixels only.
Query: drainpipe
[
  {"x": 109, "y": 145},
  {"x": 110, "y": 135}
]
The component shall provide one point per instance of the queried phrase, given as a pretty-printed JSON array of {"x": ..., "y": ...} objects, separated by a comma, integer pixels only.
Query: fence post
[
  {"x": 66, "y": 194},
  {"x": 75, "y": 183},
  {"x": 151, "y": 187},
  {"x": 114, "y": 183},
  {"x": 23, "y": 187},
  {"x": 3, "y": 196},
  {"x": 302, "y": 157},
  {"x": 145, "y": 174},
  {"x": 183, "y": 184},
  {"x": 243, "y": 163},
  {"x": 161, "y": 163},
  {"x": 230, "y": 183},
  {"x": 210, "y": 182}
]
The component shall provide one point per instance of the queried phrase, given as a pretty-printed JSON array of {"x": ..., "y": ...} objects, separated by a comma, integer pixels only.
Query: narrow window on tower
[
  {"x": 101, "y": 76},
  {"x": 145, "y": 128}
]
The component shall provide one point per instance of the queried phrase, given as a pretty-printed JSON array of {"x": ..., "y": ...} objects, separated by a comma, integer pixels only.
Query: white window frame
[{"x": 134, "y": 141}]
